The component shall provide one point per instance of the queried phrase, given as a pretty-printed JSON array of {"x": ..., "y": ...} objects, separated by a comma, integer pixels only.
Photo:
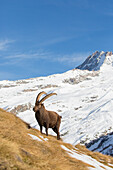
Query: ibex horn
[
  {"x": 39, "y": 95},
  {"x": 46, "y": 97}
]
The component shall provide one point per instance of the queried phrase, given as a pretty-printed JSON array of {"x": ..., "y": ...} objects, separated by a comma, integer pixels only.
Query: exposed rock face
[
  {"x": 94, "y": 61},
  {"x": 21, "y": 108},
  {"x": 81, "y": 78},
  {"x": 109, "y": 53},
  {"x": 104, "y": 144}
]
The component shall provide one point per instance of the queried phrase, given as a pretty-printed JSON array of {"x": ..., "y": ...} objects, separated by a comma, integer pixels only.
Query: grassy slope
[{"x": 19, "y": 151}]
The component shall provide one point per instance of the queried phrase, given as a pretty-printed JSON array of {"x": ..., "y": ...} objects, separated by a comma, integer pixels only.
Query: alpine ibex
[{"x": 48, "y": 119}]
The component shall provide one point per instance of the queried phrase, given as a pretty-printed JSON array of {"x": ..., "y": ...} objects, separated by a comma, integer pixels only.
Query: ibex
[{"x": 48, "y": 119}]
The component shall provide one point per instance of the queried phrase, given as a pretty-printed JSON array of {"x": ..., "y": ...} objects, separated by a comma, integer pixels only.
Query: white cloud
[
  {"x": 72, "y": 59},
  {"x": 69, "y": 59},
  {"x": 17, "y": 59},
  {"x": 4, "y": 44},
  {"x": 56, "y": 40},
  {"x": 35, "y": 55}
]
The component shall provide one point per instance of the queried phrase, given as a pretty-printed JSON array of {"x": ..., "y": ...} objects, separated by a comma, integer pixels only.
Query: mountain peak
[{"x": 96, "y": 60}]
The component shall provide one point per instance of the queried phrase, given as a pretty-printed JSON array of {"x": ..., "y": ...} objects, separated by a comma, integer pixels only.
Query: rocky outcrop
[
  {"x": 21, "y": 108},
  {"x": 104, "y": 144},
  {"x": 94, "y": 61}
]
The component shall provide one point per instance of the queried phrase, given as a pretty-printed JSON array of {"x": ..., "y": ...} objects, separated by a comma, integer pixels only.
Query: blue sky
[{"x": 44, "y": 37}]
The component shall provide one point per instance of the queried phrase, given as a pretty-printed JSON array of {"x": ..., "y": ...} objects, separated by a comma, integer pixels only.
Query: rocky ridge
[{"x": 95, "y": 61}]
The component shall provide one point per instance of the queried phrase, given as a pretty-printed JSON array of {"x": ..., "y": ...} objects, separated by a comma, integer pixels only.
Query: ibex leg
[
  {"x": 55, "y": 129},
  {"x": 40, "y": 129}
]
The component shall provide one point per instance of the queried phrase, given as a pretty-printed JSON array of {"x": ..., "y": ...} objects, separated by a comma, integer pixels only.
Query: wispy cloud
[
  {"x": 5, "y": 43},
  {"x": 29, "y": 55},
  {"x": 66, "y": 59},
  {"x": 72, "y": 59},
  {"x": 20, "y": 58},
  {"x": 56, "y": 40}
]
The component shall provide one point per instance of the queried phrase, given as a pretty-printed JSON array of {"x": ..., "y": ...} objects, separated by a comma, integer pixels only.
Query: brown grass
[
  {"x": 19, "y": 151},
  {"x": 105, "y": 159}
]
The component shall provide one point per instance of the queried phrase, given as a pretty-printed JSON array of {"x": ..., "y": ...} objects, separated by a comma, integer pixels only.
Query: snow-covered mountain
[
  {"x": 96, "y": 60},
  {"x": 84, "y": 100}
]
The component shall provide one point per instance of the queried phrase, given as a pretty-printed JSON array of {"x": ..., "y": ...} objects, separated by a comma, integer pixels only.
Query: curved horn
[
  {"x": 39, "y": 95},
  {"x": 46, "y": 97}
]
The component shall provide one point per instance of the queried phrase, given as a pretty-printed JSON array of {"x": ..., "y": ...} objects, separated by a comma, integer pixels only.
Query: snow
[
  {"x": 86, "y": 159},
  {"x": 45, "y": 139},
  {"x": 41, "y": 139},
  {"x": 84, "y": 100},
  {"x": 35, "y": 137}
]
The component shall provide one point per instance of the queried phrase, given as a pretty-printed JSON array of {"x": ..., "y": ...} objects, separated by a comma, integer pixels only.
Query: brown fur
[{"x": 48, "y": 119}]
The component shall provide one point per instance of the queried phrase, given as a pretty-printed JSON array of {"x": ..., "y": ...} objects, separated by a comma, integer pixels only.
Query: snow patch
[
  {"x": 35, "y": 138},
  {"x": 86, "y": 159}
]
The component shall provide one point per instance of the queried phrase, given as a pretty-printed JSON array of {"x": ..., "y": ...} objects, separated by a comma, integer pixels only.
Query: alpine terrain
[{"x": 84, "y": 100}]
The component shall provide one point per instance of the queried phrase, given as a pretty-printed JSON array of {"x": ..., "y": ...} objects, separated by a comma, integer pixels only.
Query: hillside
[
  {"x": 84, "y": 100},
  {"x": 24, "y": 148}
]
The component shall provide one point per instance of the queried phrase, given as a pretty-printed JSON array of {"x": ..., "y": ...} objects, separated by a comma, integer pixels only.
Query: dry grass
[
  {"x": 105, "y": 159},
  {"x": 19, "y": 151}
]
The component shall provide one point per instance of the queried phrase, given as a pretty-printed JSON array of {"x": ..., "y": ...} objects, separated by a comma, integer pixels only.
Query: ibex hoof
[{"x": 58, "y": 138}]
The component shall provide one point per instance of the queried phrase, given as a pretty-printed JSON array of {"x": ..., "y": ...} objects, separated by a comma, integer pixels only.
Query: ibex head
[{"x": 38, "y": 104}]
